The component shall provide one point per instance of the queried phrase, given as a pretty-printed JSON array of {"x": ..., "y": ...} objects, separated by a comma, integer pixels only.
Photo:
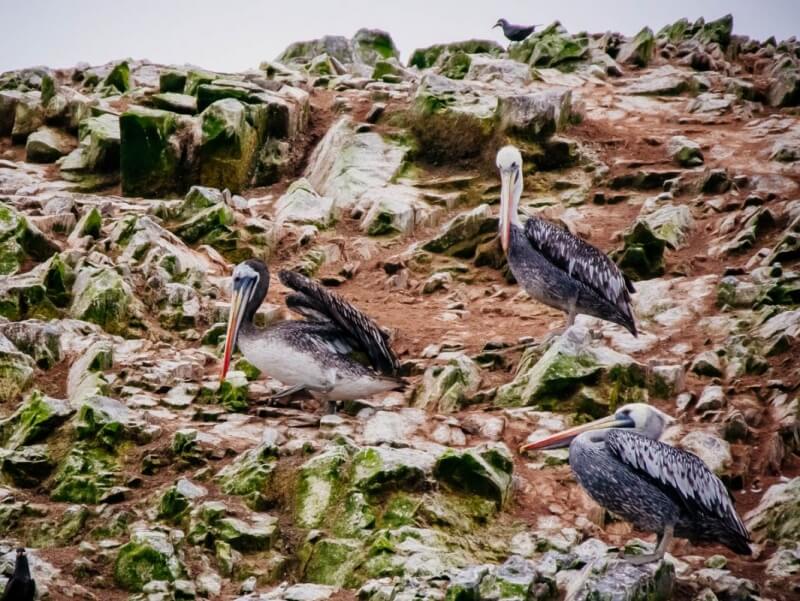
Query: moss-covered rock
[
  {"x": 378, "y": 469},
  {"x": 484, "y": 471},
  {"x": 96, "y": 160},
  {"x": 450, "y": 387},
  {"x": 29, "y": 115},
  {"x": 575, "y": 374},
  {"x": 34, "y": 420},
  {"x": 26, "y": 467},
  {"x": 332, "y": 561},
  {"x": 301, "y": 204},
  {"x": 20, "y": 238},
  {"x": 621, "y": 581},
  {"x": 119, "y": 78},
  {"x": 148, "y": 556},
  {"x": 551, "y": 47},
  {"x": 464, "y": 233},
  {"x": 639, "y": 50},
  {"x": 425, "y": 58},
  {"x": 16, "y": 371},
  {"x": 150, "y": 161},
  {"x": 373, "y": 45},
  {"x": 319, "y": 482},
  {"x": 535, "y": 116},
  {"x": 47, "y": 145},
  {"x": 85, "y": 475},
  {"x": 332, "y": 45},
  {"x": 107, "y": 422},
  {"x": 231, "y": 137},
  {"x": 101, "y": 296},
  {"x": 171, "y": 81},
  {"x": 448, "y": 121},
  {"x": 8, "y": 107},
  {"x": 231, "y": 393},
  {"x": 642, "y": 254},
  {"x": 258, "y": 533},
  {"x": 250, "y": 476},
  {"x": 176, "y": 501},
  {"x": 516, "y": 578},
  {"x": 175, "y": 102},
  {"x": 777, "y": 516},
  {"x": 685, "y": 152}
]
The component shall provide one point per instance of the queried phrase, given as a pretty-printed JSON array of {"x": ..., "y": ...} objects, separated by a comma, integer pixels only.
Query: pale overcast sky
[{"x": 232, "y": 35}]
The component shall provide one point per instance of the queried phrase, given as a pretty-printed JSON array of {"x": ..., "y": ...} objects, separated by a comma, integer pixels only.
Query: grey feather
[
  {"x": 678, "y": 473},
  {"x": 582, "y": 261}
]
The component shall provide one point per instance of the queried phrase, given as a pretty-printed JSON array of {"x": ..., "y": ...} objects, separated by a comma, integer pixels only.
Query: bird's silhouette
[{"x": 20, "y": 587}]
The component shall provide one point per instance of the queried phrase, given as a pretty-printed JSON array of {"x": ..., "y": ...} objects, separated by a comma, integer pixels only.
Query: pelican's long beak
[
  {"x": 495, "y": 25},
  {"x": 563, "y": 439},
  {"x": 506, "y": 207},
  {"x": 238, "y": 301}
]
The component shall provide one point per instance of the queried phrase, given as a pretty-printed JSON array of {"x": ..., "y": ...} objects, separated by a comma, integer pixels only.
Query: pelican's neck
[
  {"x": 255, "y": 301},
  {"x": 510, "y": 195}
]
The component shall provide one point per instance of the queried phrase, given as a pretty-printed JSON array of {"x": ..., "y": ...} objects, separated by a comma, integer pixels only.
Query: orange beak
[
  {"x": 234, "y": 323},
  {"x": 563, "y": 439},
  {"x": 506, "y": 208}
]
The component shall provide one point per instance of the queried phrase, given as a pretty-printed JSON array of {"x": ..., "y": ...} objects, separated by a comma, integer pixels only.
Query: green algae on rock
[
  {"x": 16, "y": 371},
  {"x": 34, "y": 420},
  {"x": 484, "y": 471},
  {"x": 148, "y": 556},
  {"x": 101, "y": 296},
  {"x": 319, "y": 483},
  {"x": 250, "y": 476},
  {"x": 448, "y": 388},
  {"x": 85, "y": 475}
]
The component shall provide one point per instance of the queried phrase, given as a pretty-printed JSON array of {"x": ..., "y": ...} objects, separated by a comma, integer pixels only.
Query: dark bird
[
  {"x": 515, "y": 33},
  {"x": 20, "y": 587},
  {"x": 335, "y": 353},
  {"x": 554, "y": 266},
  {"x": 656, "y": 487}
]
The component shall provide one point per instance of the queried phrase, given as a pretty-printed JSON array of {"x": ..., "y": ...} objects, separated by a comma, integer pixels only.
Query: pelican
[
  {"x": 20, "y": 587},
  {"x": 620, "y": 462},
  {"x": 555, "y": 267},
  {"x": 336, "y": 353},
  {"x": 515, "y": 33}
]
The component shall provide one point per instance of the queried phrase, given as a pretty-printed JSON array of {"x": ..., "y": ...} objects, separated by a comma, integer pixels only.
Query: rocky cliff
[{"x": 128, "y": 191}]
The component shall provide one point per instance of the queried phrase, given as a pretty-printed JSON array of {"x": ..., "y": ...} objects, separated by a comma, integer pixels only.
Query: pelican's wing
[
  {"x": 582, "y": 261},
  {"x": 680, "y": 474},
  {"x": 315, "y": 302}
]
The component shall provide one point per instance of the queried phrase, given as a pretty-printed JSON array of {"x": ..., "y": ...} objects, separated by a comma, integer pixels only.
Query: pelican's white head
[
  {"x": 641, "y": 417},
  {"x": 509, "y": 162}
]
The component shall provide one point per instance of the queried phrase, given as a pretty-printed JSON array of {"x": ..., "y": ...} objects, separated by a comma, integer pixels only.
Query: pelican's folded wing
[{"x": 314, "y": 301}]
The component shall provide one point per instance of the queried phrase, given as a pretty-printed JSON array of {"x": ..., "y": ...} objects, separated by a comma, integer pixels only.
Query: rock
[
  {"x": 712, "y": 450},
  {"x": 231, "y": 135},
  {"x": 777, "y": 516},
  {"x": 664, "y": 81},
  {"x": 373, "y": 45},
  {"x": 8, "y": 105},
  {"x": 318, "y": 482},
  {"x": 711, "y": 399},
  {"x": 616, "y": 580},
  {"x": 424, "y": 58},
  {"x": 16, "y": 371},
  {"x": 684, "y": 152},
  {"x": 109, "y": 423},
  {"x": 639, "y": 50},
  {"x": 707, "y": 363},
  {"x": 98, "y": 149},
  {"x": 389, "y": 427},
  {"x": 488, "y": 69},
  {"x": 46, "y": 145},
  {"x": 462, "y": 235},
  {"x": 175, "y": 102},
  {"x": 119, "y": 78},
  {"x": 101, "y": 296},
  {"x": 517, "y": 578},
  {"x": 37, "y": 339},
  {"x": 301, "y": 204},
  {"x": 258, "y": 533},
  {"x": 484, "y": 471},
  {"x": 394, "y": 211},
  {"x": 178, "y": 499},
  {"x": 171, "y": 80},
  {"x": 85, "y": 475},
  {"x": 149, "y": 556},
  {"x": 448, "y": 388},
  {"x": 33, "y": 421},
  {"x": 384, "y": 468},
  {"x": 784, "y": 565},
  {"x": 338, "y": 47},
  {"x": 551, "y": 47},
  {"x": 575, "y": 373},
  {"x": 331, "y": 561},
  {"x": 535, "y": 116},
  {"x": 28, "y": 116},
  {"x": 250, "y": 475},
  {"x": 153, "y": 146}
]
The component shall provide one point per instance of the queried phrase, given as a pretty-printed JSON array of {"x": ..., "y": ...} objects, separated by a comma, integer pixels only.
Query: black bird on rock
[
  {"x": 515, "y": 33},
  {"x": 20, "y": 587}
]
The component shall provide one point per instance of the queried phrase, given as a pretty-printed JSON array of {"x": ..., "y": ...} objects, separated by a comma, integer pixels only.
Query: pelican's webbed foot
[
  {"x": 664, "y": 539},
  {"x": 286, "y": 392}
]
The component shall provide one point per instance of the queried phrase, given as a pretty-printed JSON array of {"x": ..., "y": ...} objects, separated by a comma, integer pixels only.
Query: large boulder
[
  {"x": 29, "y": 115},
  {"x": 148, "y": 556},
  {"x": 154, "y": 145},
  {"x": 373, "y": 45},
  {"x": 47, "y": 145},
  {"x": 639, "y": 50},
  {"x": 551, "y": 47},
  {"x": 448, "y": 388},
  {"x": 461, "y": 236},
  {"x": 232, "y": 133},
  {"x": 777, "y": 516},
  {"x": 98, "y": 149},
  {"x": 484, "y": 471},
  {"x": 575, "y": 373},
  {"x": 16, "y": 371},
  {"x": 102, "y": 296},
  {"x": 537, "y": 115},
  {"x": 336, "y": 46},
  {"x": 301, "y": 204},
  {"x": 424, "y": 58}
]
